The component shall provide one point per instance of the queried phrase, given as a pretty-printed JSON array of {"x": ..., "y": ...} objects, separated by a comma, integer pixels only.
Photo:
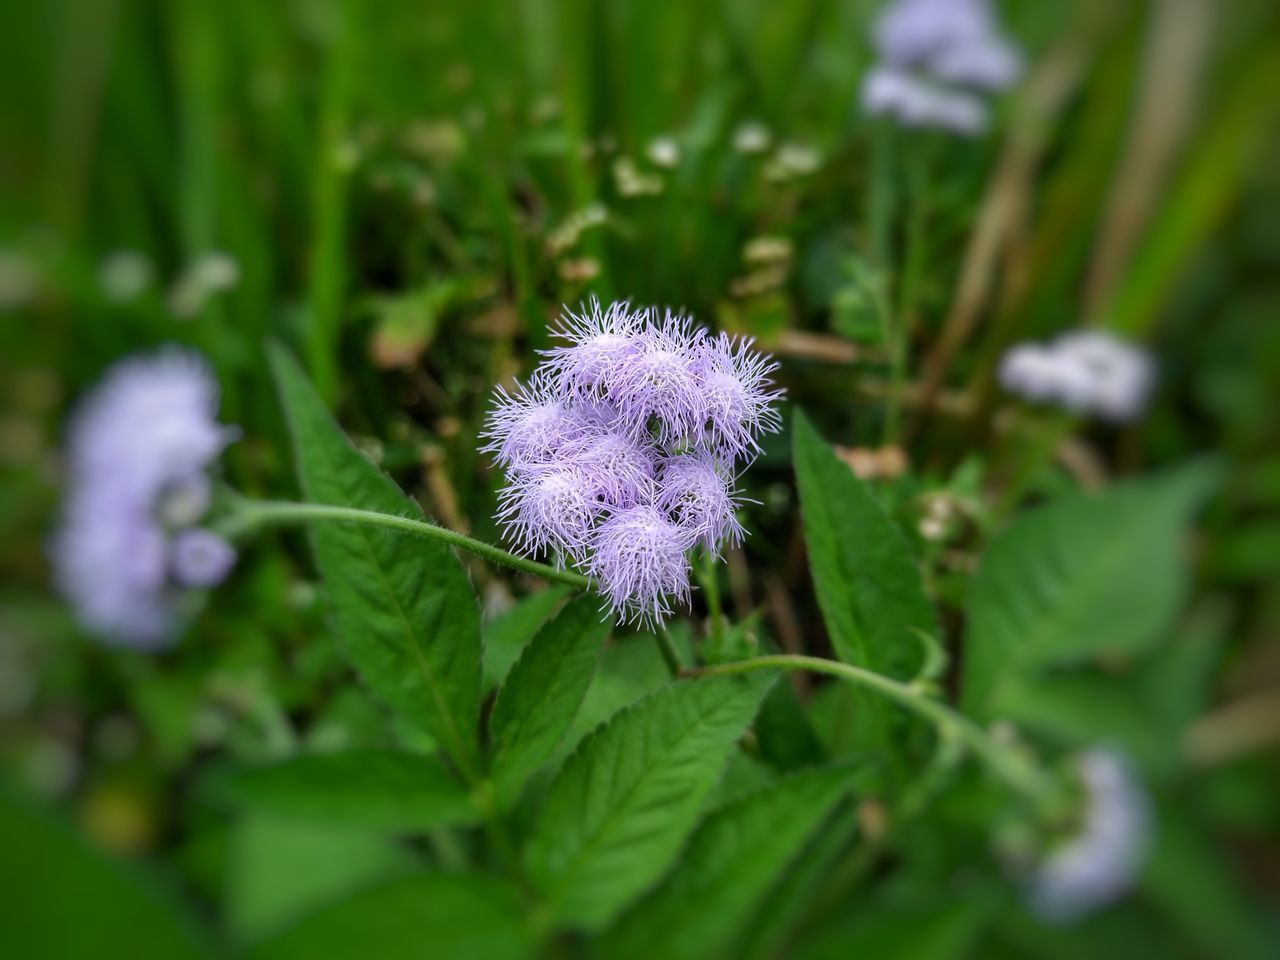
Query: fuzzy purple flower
[
  {"x": 695, "y": 491},
  {"x": 622, "y": 451},
  {"x": 139, "y": 449},
  {"x": 532, "y": 424},
  {"x": 660, "y": 388},
  {"x": 740, "y": 402},
  {"x": 550, "y": 508},
  {"x": 640, "y": 559},
  {"x": 600, "y": 343},
  {"x": 614, "y": 466}
]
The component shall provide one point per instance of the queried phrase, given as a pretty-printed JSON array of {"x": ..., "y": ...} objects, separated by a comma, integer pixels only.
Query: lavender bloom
[
  {"x": 640, "y": 561},
  {"x": 933, "y": 54},
  {"x": 740, "y": 403},
  {"x": 139, "y": 447},
  {"x": 622, "y": 451},
  {"x": 659, "y": 388},
  {"x": 532, "y": 424},
  {"x": 199, "y": 558},
  {"x": 695, "y": 492},
  {"x": 601, "y": 343},
  {"x": 1087, "y": 372},
  {"x": 913, "y": 102},
  {"x": 1100, "y": 863},
  {"x": 549, "y": 508},
  {"x": 614, "y": 467}
]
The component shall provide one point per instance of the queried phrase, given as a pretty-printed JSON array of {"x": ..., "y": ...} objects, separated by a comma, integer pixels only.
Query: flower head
[
  {"x": 531, "y": 424},
  {"x": 640, "y": 559},
  {"x": 549, "y": 508},
  {"x": 600, "y": 344},
  {"x": 139, "y": 448},
  {"x": 614, "y": 466},
  {"x": 659, "y": 389},
  {"x": 622, "y": 452},
  {"x": 200, "y": 558},
  {"x": 740, "y": 400},
  {"x": 695, "y": 491},
  {"x": 1100, "y": 862}
]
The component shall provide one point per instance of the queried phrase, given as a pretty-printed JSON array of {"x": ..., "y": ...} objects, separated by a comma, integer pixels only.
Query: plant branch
[
  {"x": 254, "y": 514},
  {"x": 1015, "y": 771}
]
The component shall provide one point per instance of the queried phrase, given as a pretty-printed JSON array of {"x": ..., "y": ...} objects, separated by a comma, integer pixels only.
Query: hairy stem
[
  {"x": 1015, "y": 771},
  {"x": 254, "y": 514}
]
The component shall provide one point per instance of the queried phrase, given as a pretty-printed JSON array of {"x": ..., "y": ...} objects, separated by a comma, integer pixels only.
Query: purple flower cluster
[
  {"x": 622, "y": 451},
  {"x": 139, "y": 448},
  {"x": 935, "y": 57}
]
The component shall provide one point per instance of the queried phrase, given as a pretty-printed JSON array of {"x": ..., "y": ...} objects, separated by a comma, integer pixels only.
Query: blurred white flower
[
  {"x": 19, "y": 280},
  {"x": 793, "y": 159},
  {"x": 752, "y": 136},
  {"x": 209, "y": 274},
  {"x": 125, "y": 275},
  {"x": 767, "y": 248},
  {"x": 663, "y": 152},
  {"x": 1101, "y": 861},
  {"x": 1087, "y": 371},
  {"x": 632, "y": 182}
]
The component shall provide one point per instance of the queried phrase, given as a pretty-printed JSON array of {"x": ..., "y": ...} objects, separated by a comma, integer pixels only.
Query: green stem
[
  {"x": 253, "y": 514},
  {"x": 710, "y": 583},
  {"x": 1013, "y": 769},
  {"x": 1036, "y": 456},
  {"x": 670, "y": 655}
]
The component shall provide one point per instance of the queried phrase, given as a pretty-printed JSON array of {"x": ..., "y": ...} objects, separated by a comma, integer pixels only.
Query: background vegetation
[{"x": 408, "y": 192}]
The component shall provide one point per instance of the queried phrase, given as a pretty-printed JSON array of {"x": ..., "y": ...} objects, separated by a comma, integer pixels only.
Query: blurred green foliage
[{"x": 407, "y": 192}]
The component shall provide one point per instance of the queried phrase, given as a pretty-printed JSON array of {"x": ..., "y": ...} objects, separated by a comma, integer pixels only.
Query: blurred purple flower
[
  {"x": 932, "y": 54},
  {"x": 139, "y": 446},
  {"x": 1100, "y": 862}
]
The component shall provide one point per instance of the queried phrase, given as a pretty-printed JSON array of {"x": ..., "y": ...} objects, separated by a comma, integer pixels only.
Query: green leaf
[
  {"x": 726, "y": 870},
  {"x": 280, "y": 869},
  {"x": 507, "y": 635},
  {"x": 431, "y": 916},
  {"x": 403, "y": 607},
  {"x": 373, "y": 788},
  {"x": 766, "y": 932},
  {"x": 614, "y": 819},
  {"x": 1196, "y": 888},
  {"x": 1080, "y": 578},
  {"x": 867, "y": 582},
  {"x": 62, "y": 899},
  {"x": 946, "y": 930},
  {"x": 1081, "y": 709},
  {"x": 543, "y": 692},
  {"x": 866, "y": 579},
  {"x": 630, "y": 669}
]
